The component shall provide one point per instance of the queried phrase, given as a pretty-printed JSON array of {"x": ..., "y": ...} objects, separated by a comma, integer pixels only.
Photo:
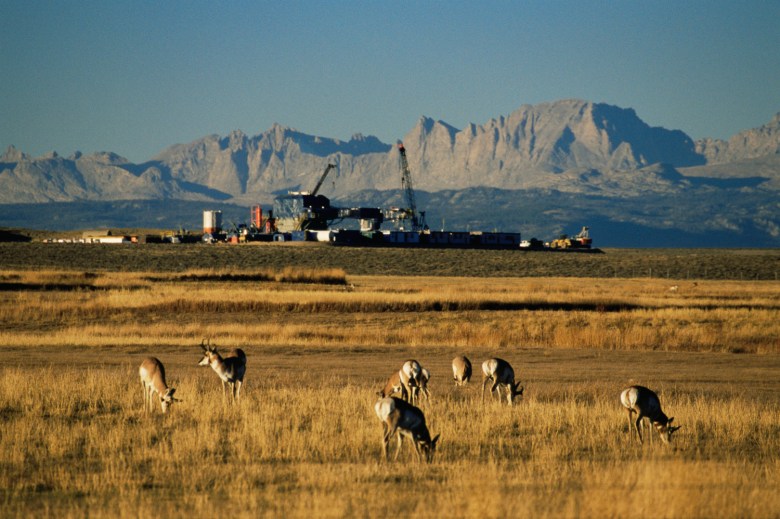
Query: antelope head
[
  {"x": 428, "y": 447},
  {"x": 665, "y": 430},
  {"x": 167, "y": 399},
  {"x": 208, "y": 352}
]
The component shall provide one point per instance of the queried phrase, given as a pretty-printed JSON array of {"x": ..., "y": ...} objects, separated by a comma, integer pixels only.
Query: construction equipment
[
  {"x": 308, "y": 211},
  {"x": 583, "y": 239},
  {"x": 410, "y": 212},
  {"x": 322, "y": 179},
  {"x": 580, "y": 241}
]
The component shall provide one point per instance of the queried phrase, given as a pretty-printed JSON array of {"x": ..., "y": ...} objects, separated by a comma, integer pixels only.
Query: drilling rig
[{"x": 410, "y": 211}]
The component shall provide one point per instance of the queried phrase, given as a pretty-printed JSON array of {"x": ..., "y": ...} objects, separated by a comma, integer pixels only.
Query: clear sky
[{"x": 136, "y": 76}]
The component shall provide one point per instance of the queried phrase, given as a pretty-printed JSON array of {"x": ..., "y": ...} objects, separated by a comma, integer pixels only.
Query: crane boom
[
  {"x": 418, "y": 222},
  {"x": 322, "y": 178}
]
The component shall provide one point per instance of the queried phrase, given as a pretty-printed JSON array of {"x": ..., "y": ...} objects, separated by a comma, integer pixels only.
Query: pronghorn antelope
[
  {"x": 644, "y": 402},
  {"x": 461, "y": 370},
  {"x": 410, "y": 373},
  {"x": 393, "y": 386},
  {"x": 425, "y": 377},
  {"x": 502, "y": 374},
  {"x": 230, "y": 368},
  {"x": 404, "y": 419},
  {"x": 152, "y": 374}
]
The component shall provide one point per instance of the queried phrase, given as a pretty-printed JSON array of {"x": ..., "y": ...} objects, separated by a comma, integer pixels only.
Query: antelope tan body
[
  {"x": 230, "y": 369},
  {"x": 393, "y": 386},
  {"x": 500, "y": 372},
  {"x": 425, "y": 377},
  {"x": 404, "y": 419},
  {"x": 152, "y": 373},
  {"x": 644, "y": 403},
  {"x": 461, "y": 370},
  {"x": 411, "y": 373}
]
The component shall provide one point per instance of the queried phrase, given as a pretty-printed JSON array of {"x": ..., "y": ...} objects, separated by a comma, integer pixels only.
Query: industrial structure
[
  {"x": 309, "y": 211},
  {"x": 581, "y": 240},
  {"x": 212, "y": 222},
  {"x": 410, "y": 213},
  {"x": 309, "y": 216}
]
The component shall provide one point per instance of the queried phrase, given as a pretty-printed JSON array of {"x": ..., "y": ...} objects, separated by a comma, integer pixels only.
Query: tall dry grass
[
  {"x": 304, "y": 441},
  {"x": 146, "y": 308},
  {"x": 78, "y": 443}
]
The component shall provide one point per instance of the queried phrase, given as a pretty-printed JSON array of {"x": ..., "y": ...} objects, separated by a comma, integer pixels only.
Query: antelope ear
[
  {"x": 669, "y": 420},
  {"x": 435, "y": 439}
]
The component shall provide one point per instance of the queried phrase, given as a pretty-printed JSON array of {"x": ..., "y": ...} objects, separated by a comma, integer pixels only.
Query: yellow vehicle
[{"x": 580, "y": 241}]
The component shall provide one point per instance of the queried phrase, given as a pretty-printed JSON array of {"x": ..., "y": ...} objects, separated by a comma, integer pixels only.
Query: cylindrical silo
[{"x": 212, "y": 222}]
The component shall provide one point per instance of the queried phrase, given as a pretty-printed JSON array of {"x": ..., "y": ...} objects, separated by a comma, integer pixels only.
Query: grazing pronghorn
[
  {"x": 461, "y": 370},
  {"x": 410, "y": 373},
  {"x": 404, "y": 419},
  {"x": 502, "y": 374},
  {"x": 230, "y": 368},
  {"x": 152, "y": 374},
  {"x": 644, "y": 402},
  {"x": 393, "y": 386}
]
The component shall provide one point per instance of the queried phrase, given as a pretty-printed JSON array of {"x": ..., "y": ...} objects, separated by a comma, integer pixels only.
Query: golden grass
[
  {"x": 304, "y": 440},
  {"x": 79, "y": 442},
  {"x": 463, "y": 312}
]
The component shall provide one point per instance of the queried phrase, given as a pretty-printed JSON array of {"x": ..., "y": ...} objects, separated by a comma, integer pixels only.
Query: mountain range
[{"x": 541, "y": 170}]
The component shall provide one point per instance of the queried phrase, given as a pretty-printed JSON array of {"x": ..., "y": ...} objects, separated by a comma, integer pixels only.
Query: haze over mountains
[{"x": 541, "y": 170}]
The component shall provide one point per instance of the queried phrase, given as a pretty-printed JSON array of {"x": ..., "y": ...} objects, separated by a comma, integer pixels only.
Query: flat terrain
[
  {"x": 321, "y": 340},
  {"x": 681, "y": 264}
]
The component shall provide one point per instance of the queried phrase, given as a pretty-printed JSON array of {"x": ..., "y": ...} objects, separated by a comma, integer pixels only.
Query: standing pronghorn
[
  {"x": 230, "y": 368},
  {"x": 501, "y": 373},
  {"x": 152, "y": 374},
  {"x": 461, "y": 370},
  {"x": 411, "y": 373},
  {"x": 405, "y": 419},
  {"x": 644, "y": 402}
]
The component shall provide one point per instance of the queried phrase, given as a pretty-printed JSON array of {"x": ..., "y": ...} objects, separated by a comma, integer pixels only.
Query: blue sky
[{"x": 135, "y": 77}]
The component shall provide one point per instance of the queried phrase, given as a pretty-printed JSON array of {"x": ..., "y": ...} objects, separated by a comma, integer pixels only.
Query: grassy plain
[{"x": 320, "y": 342}]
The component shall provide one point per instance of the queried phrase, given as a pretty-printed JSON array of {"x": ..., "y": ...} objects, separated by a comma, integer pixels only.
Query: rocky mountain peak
[
  {"x": 235, "y": 141},
  {"x": 746, "y": 145},
  {"x": 531, "y": 147},
  {"x": 103, "y": 157},
  {"x": 13, "y": 155}
]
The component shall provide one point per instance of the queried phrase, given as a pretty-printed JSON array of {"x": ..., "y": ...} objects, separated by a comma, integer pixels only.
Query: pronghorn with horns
[{"x": 230, "y": 368}]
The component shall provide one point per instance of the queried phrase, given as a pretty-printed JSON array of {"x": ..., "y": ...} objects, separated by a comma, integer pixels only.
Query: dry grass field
[{"x": 320, "y": 341}]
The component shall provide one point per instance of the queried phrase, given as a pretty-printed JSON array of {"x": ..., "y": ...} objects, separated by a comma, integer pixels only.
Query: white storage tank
[{"x": 212, "y": 222}]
